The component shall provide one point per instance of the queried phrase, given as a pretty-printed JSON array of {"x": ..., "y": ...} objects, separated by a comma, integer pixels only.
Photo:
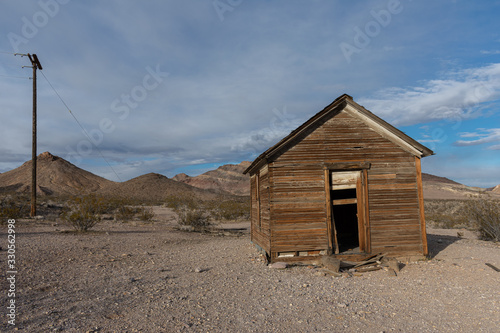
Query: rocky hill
[
  {"x": 436, "y": 187},
  {"x": 55, "y": 176},
  {"x": 428, "y": 178},
  {"x": 227, "y": 178},
  {"x": 154, "y": 187}
]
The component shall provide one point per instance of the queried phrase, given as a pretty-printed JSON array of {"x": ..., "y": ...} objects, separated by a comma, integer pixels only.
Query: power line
[
  {"x": 16, "y": 77},
  {"x": 81, "y": 126}
]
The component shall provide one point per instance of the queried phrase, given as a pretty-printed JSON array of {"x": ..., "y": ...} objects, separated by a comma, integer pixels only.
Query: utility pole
[{"x": 35, "y": 65}]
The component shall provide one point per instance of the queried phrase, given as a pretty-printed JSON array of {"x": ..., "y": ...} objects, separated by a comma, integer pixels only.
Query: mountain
[
  {"x": 154, "y": 187},
  {"x": 428, "y": 178},
  {"x": 55, "y": 176},
  {"x": 228, "y": 178},
  {"x": 436, "y": 187}
]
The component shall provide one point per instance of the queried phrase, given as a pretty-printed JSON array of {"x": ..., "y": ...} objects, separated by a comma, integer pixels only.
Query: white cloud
[
  {"x": 494, "y": 147},
  {"x": 482, "y": 137},
  {"x": 490, "y": 52},
  {"x": 429, "y": 140},
  {"x": 226, "y": 78},
  {"x": 464, "y": 94}
]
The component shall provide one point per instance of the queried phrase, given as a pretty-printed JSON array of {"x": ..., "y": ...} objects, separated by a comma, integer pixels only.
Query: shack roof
[{"x": 344, "y": 102}]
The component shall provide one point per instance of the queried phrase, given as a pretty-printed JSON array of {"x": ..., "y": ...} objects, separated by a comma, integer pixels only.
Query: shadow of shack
[{"x": 345, "y": 182}]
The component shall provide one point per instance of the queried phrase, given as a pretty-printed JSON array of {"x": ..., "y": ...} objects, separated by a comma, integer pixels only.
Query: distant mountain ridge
[
  {"x": 228, "y": 178},
  {"x": 428, "y": 178},
  {"x": 154, "y": 187},
  {"x": 436, "y": 187},
  {"x": 56, "y": 176}
]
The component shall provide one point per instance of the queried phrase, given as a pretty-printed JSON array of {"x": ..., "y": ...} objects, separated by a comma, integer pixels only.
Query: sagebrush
[
  {"x": 83, "y": 212},
  {"x": 14, "y": 207},
  {"x": 229, "y": 209},
  {"x": 190, "y": 212},
  {"x": 485, "y": 214},
  {"x": 146, "y": 214},
  {"x": 447, "y": 213},
  {"x": 201, "y": 214}
]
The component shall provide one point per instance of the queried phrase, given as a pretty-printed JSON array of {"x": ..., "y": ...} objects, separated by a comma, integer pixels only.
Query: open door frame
[{"x": 361, "y": 201}]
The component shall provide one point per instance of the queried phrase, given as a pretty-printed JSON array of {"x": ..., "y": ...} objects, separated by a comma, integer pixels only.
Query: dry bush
[
  {"x": 197, "y": 218},
  {"x": 13, "y": 207},
  {"x": 146, "y": 214},
  {"x": 190, "y": 212},
  {"x": 125, "y": 213},
  {"x": 485, "y": 213},
  {"x": 176, "y": 201},
  {"x": 229, "y": 209},
  {"x": 83, "y": 212},
  {"x": 447, "y": 214}
]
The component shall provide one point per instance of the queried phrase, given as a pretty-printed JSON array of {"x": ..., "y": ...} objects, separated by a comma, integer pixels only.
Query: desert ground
[{"x": 151, "y": 277}]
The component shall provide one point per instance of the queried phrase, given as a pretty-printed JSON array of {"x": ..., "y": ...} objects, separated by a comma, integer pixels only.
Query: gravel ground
[{"x": 133, "y": 277}]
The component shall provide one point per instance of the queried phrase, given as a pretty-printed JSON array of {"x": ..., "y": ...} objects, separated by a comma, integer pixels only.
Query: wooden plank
[
  {"x": 344, "y": 201},
  {"x": 347, "y": 166},
  {"x": 360, "y": 213},
  {"x": 329, "y": 212},
  {"x": 420, "y": 190},
  {"x": 366, "y": 206},
  {"x": 383, "y": 176},
  {"x": 257, "y": 184},
  {"x": 393, "y": 186},
  {"x": 299, "y": 226},
  {"x": 344, "y": 177},
  {"x": 342, "y": 187}
]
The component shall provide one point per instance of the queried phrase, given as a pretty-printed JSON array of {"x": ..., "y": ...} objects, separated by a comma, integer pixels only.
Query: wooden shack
[{"x": 345, "y": 182}]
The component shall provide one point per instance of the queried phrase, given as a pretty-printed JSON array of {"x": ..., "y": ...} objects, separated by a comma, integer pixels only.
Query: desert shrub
[
  {"x": 190, "y": 212},
  {"x": 111, "y": 205},
  {"x": 83, "y": 212},
  {"x": 198, "y": 218},
  {"x": 125, "y": 213},
  {"x": 13, "y": 207},
  {"x": 485, "y": 213},
  {"x": 146, "y": 214},
  {"x": 177, "y": 201},
  {"x": 229, "y": 209},
  {"x": 447, "y": 214}
]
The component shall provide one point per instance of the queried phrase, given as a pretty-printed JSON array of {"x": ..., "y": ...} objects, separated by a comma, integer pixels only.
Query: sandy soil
[{"x": 134, "y": 277}]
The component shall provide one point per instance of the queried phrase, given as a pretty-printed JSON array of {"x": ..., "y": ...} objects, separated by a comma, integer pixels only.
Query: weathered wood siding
[
  {"x": 260, "y": 212},
  {"x": 297, "y": 196},
  {"x": 298, "y": 208}
]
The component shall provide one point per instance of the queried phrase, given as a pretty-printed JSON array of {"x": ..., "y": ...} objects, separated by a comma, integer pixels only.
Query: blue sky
[{"x": 186, "y": 86}]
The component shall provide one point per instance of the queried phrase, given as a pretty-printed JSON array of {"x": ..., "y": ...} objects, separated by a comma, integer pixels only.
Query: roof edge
[
  {"x": 342, "y": 101},
  {"x": 262, "y": 158}
]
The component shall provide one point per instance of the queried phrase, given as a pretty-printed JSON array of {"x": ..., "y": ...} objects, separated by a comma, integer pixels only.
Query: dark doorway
[
  {"x": 345, "y": 210},
  {"x": 346, "y": 224}
]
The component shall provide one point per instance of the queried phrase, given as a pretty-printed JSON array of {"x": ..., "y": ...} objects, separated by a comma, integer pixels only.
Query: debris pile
[{"x": 336, "y": 266}]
